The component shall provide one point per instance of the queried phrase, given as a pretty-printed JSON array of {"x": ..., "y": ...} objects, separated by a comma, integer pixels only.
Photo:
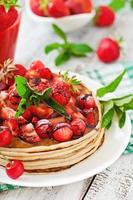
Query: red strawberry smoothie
[{"x": 8, "y": 39}]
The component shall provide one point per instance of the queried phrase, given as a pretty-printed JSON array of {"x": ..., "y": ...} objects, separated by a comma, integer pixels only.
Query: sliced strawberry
[
  {"x": 27, "y": 114},
  {"x": 13, "y": 126},
  {"x": 42, "y": 111},
  {"x": 38, "y": 84},
  {"x": 28, "y": 134},
  {"x": 63, "y": 132},
  {"x": 91, "y": 121},
  {"x": 78, "y": 115},
  {"x": 78, "y": 127},
  {"x": 43, "y": 128},
  {"x": 21, "y": 70},
  {"x": 32, "y": 74},
  {"x": 57, "y": 120},
  {"x": 45, "y": 73},
  {"x": 37, "y": 65},
  {"x": 6, "y": 113},
  {"x": 3, "y": 86}
]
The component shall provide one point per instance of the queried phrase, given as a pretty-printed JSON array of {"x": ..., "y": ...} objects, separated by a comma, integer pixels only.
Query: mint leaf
[
  {"x": 52, "y": 47},
  {"x": 80, "y": 49},
  {"x": 117, "y": 5},
  {"x": 108, "y": 113},
  {"x": 62, "y": 57},
  {"x": 21, "y": 108},
  {"x": 121, "y": 116},
  {"x": 110, "y": 87},
  {"x": 120, "y": 102},
  {"x": 59, "y": 32},
  {"x": 22, "y": 87},
  {"x": 131, "y": 3},
  {"x": 46, "y": 95},
  {"x": 57, "y": 107}
]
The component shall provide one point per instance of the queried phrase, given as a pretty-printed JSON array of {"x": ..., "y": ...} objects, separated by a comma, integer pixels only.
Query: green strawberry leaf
[
  {"x": 80, "y": 49},
  {"x": 62, "y": 58},
  {"x": 59, "y": 32},
  {"x": 117, "y": 5},
  {"x": 110, "y": 87},
  {"x": 52, "y": 47}
]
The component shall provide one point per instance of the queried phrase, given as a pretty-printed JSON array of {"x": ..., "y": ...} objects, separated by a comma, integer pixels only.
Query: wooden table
[{"x": 114, "y": 183}]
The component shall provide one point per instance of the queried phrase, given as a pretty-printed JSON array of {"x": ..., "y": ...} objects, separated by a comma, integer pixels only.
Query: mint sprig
[
  {"x": 67, "y": 49},
  {"x": 31, "y": 97},
  {"x": 113, "y": 106},
  {"x": 117, "y": 5}
]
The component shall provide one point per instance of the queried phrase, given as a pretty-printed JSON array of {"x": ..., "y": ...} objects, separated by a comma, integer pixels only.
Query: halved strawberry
[
  {"x": 62, "y": 132},
  {"x": 12, "y": 125},
  {"x": 78, "y": 127},
  {"x": 43, "y": 128},
  {"x": 20, "y": 70},
  {"x": 57, "y": 120},
  {"x": 45, "y": 73},
  {"x": 42, "y": 111},
  {"x": 36, "y": 65},
  {"x": 6, "y": 113},
  {"x": 28, "y": 134}
]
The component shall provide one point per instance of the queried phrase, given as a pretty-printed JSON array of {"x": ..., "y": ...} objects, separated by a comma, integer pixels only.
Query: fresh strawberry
[
  {"x": 7, "y": 18},
  {"x": 28, "y": 134},
  {"x": 37, "y": 8},
  {"x": 57, "y": 8},
  {"x": 78, "y": 115},
  {"x": 21, "y": 70},
  {"x": 14, "y": 98},
  {"x": 14, "y": 169},
  {"x": 32, "y": 74},
  {"x": 86, "y": 101},
  {"x": 105, "y": 16},
  {"x": 63, "y": 132},
  {"x": 79, "y": 6},
  {"x": 61, "y": 93},
  {"x": 37, "y": 65},
  {"x": 27, "y": 114},
  {"x": 5, "y": 138},
  {"x": 41, "y": 111},
  {"x": 108, "y": 50},
  {"x": 6, "y": 113},
  {"x": 45, "y": 73},
  {"x": 12, "y": 125},
  {"x": 78, "y": 127},
  {"x": 43, "y": 128},
  {"x": 91, "y": 120}
]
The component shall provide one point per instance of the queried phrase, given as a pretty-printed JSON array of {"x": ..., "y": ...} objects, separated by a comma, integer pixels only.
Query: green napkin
[{"x": 105, "y": 75}]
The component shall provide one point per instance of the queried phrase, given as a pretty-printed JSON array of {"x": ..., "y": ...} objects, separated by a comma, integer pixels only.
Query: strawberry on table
[
  {"x": 14, "y": 169},
  {"x": 105, "y": 16},
  {"x": 108, "y": 50}
]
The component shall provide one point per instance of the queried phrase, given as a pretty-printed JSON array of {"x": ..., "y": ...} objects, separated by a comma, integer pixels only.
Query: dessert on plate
[{"x": 48, "y": 121}]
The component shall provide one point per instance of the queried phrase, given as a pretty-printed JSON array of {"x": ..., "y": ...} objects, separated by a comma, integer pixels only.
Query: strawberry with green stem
[{"x": 67, "y": 49}]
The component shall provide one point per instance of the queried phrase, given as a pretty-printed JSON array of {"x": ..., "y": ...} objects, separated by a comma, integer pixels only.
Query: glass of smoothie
[{"x": 9, "y": 27}]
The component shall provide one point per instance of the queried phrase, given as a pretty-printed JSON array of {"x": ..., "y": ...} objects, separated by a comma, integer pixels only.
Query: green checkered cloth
[{"x": 104, "y": 76}]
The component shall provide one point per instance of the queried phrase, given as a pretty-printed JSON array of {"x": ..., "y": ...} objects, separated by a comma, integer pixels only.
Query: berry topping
[
  {"x": 45, "y": 73},
  {"x": 20, "y": 70},
  {"x": 78, "y": 127},
  {"x": 61, "y": 93},
  {"x": 105, "y": 16},
  {"x": 38, "y": 84},
  {"x": 5, "y": 138},
  {"x": 28, "y": 134},
  {"x": 91, "y": 119},
  {"x": 43, "y": 128},
  {"x": 86, "y": 101},
  {"x": 13, "y": 126},
  {"x": 63, "y": 132},
  {"x": 36, "y": 65},
  {"x": 14, "y": 169},
  {"x": 108, "y": 50}
]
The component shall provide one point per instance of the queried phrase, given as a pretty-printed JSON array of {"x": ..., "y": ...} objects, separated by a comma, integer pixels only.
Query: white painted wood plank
[
  {"x": 114, "y": 183},
  {"x": 68, "y": 192}
]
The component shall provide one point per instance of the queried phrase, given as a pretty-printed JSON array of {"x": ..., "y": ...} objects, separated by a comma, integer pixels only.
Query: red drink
[{"x": 8, "y": 39}]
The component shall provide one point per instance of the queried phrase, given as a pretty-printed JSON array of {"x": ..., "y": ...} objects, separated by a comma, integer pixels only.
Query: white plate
[
  {"x": 67, "y": 24},
  {"x": 115, "y": 142}
]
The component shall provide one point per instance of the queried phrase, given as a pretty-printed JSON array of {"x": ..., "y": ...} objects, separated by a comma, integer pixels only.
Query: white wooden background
[{"x": 114, "y": 183}]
